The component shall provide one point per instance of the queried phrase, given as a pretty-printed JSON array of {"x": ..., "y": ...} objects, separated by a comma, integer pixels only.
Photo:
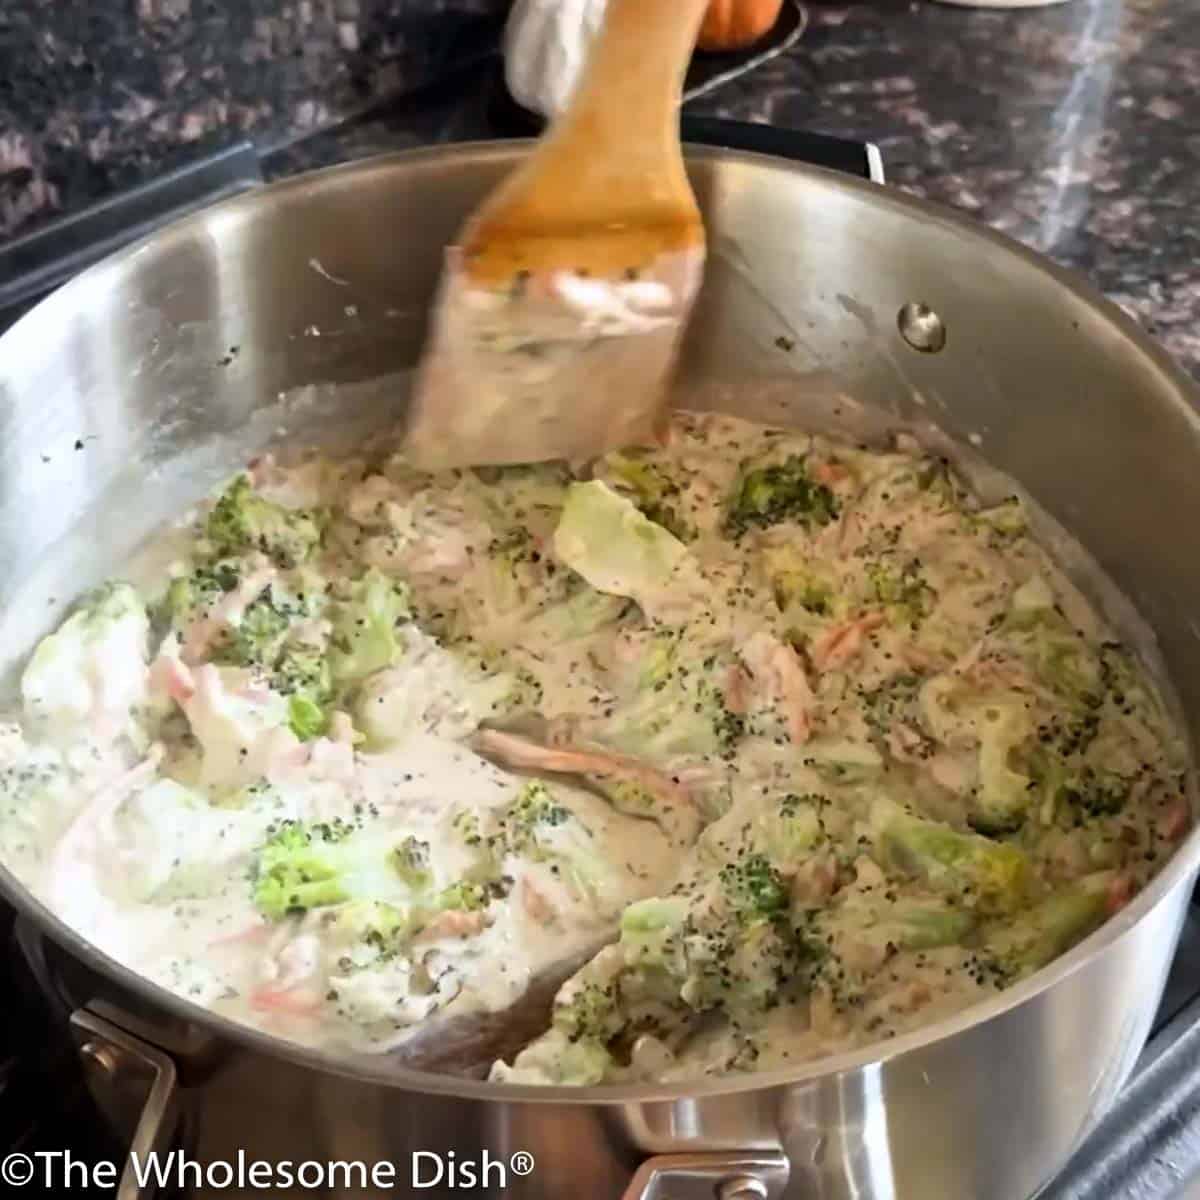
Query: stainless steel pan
[{"x": 137, "y": 386}]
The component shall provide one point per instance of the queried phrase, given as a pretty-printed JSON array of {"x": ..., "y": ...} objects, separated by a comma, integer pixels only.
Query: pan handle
[
  {"x": 121, "y": 1068},
  {"x": 854, "y": 158},
  {"x": 732, "y": 1176},
  {"x": 135, "y": 1086}
]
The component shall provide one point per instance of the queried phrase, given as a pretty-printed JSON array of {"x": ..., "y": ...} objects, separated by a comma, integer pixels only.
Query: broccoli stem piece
[
  {"x": 1041, "y": 933},
  {"x": 1004, "y": 795},
  {"x": 306, "y": 718},
  {"x": 977, "y": 871},
  {"x": 927, "y": 926}
]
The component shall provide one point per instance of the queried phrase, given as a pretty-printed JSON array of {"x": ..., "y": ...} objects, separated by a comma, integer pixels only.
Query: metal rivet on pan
[
  {"x": 101, "y": 1058},
  {"x": 742, "y": 1187},
  {"x": 921, "y": 327}
]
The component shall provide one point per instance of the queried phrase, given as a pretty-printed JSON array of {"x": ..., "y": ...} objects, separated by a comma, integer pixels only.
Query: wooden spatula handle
[
  {"x": 631, "y": 84},
  {"x": 613, "y": 159}
]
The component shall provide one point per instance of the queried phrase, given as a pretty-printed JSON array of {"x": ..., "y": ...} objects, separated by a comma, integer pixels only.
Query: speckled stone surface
[
  {"x": 97, "y": 95},
  {"x": 1075, "y": 128}
]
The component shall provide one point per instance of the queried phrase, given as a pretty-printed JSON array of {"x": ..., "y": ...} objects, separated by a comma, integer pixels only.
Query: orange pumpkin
[{"x": 736, "y": 24}]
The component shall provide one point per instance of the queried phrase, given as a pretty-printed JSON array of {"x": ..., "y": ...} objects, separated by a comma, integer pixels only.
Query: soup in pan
[{"x": 822, "y": 747}]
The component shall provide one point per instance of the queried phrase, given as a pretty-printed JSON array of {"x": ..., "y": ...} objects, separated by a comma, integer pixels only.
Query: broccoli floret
[
  {"x": 590, "y": 1013},
  {"x": 306, "y": 865},
  {"x": 753, "y": 888},
  {"x": 799, "y": 587},
  {"x": 767, "y": 495},
  {"x": 298, "y": 670},
  {"x": 1064, "y": 779},
  {"x": 533, "y": 810},
  {"x": 299, "y": 868},
  {"x": 653, "y": 491},
  {"x": 975, "y": 870},
  {"x": 302, "y": 669},
  {"x": 375, "y": 929},
  {"x": 466, "y": 825},
  {"x": 411, "y": 860},
  {"x": 258, "y": 637},
  {"x": 1050, "y": 928},
  {"x": 740, "y": 967},
  {"x": 191, "y": 596},
  {"x": 794, "y": 588},
  {"x": 365, "y": 623},
  {"x": 70, "y": 680},
  {"x": 535, "y": 806},
  {"x": 555, "y": 1058},
  {"x": 1002, "y": 524},
  {"x": 902, "y": 588},
  {"x": 294, "y": 668},
  {"x": 882, "y": 920},
  {"x": 1095, "y": 792},
  {"x": 792, "y": 830},
  {"x": 650, "y": 929},
  {"x": 242, "y": 521},
  {"x": 471, "y": 895},
  {"x": 894, "y": 701}
]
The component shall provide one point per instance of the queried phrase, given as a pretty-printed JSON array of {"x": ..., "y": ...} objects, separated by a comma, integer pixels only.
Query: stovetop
[{"x": 1147, "y": 1148}]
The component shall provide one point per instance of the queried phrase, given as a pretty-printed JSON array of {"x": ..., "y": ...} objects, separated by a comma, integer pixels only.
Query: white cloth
[{"x": 545, "y": 46}]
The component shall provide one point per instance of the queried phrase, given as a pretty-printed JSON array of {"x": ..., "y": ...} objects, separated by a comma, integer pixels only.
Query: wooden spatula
[{"x": 562, "y": 304}]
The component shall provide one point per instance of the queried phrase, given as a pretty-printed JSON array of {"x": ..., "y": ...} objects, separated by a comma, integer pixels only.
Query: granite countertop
[{"x": 1075, "y": 128}]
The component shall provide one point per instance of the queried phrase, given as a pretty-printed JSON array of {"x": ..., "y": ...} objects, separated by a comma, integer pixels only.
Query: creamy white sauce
[{"x": 758, "y": 711}]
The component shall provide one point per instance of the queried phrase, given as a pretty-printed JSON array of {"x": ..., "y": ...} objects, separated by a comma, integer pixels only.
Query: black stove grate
[{"x": 44, "y": 1101}]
